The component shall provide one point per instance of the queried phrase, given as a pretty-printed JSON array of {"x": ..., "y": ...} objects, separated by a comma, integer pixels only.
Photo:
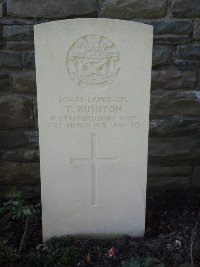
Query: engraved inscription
[
  {"x": 93, "y": 160},
  {"x": 94, "y": 112},
  {"x": 93, "y": 60}
]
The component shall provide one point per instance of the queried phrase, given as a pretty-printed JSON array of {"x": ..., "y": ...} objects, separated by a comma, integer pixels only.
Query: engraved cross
[{"x": 93, "y": 160}]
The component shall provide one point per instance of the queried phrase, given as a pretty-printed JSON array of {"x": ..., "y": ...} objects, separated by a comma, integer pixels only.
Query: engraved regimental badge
[{"x": 93, "y": 60}]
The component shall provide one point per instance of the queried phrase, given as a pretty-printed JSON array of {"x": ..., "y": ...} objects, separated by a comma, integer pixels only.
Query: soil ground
[{"x": 172, "y": 237}]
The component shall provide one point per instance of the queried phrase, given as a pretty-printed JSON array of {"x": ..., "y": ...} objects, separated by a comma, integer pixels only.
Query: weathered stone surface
[
  {"x": 174, "y": 79},
  {"x": 173, "y": 199},
  {"x": 15, "y": 112},
  {"x": 185, "y": 8},
  {"x": 24, "y": 82},
  {"x": 20, "y": 155},
  {"x": 191, "y": 52},
  {"x": 28, "y": 60},
  {"x": 196, "y": 177},
  {"x": 4, "y": 82},
  {"x": 18, "y": 138},
  {"x": 196, "y": 29},
  {"x": 186, "y": 64},
  {"x": 6, "y": 21},
  {"x": 18, "y": 45},
  {"x": 174, "y": 148},
  {"x": 2, "y": 44},
  {"x": 173, "y": 27},
  {"x": 1, "y": 9},
  {"x": 10, "y": 59},
  {"x": 36, "y": 114},
  {"x": 162, "y": 55},
  {"x": 171, "y": 39},
  {"x": 174, "y": 128},
  {"x": 129, "y": 9},
  {"x": 175, "y": 104},
  {"x": 167, "y": 171},
  {"x": 18, "y": 32},
  {"x": 50, "y": 8},
  {"x": 12, "y": 173},
  {"x": 168, "y": 183}
]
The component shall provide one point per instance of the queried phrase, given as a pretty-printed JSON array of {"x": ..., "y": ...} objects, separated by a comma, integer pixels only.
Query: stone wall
[{"x": 174, "y": 144}]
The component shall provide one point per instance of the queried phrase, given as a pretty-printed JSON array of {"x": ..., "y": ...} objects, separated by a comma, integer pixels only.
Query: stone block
[
  {"x": 50, "y": 8},
  {"x": 10, "y": 59},
  {"x": 100, "y": 3},
  {"x": 1, "y": 9},
  {"x": 173, "y": 79},
  {"x": 162, "y": 55},
  {"x": 170, "y": 39},
  {"x": 176, "y": 148},
  {"x": 168, "y": 183},
  {"x": 24, "y": 82},
  {"x": 18, "y": 139},
  {"x": 28, "y": 60},
  {"x": 175, "y": 104},
  {"x": 196, "y": 177},
  {"x": 191, "y": 52},
  {"x": 116, "y": 148},
  {"x": 130, "y": 9},
  {"x": 2, "y": 44},
  {"x": 12, "y": 173},
  {"x": 186, "y": 64},
  {"x": 196, "y": 29},
  {"x": 173, "y": 27},
  {"x": 174, "y": 128},
  {"x": 4, "y": 82},
  {"x": 15, "y": 112},
  {"x": 20, "y": 155},
  {"x": 169, "y": 171},
  {"x": 18, "y": 33},
  {"x": 18, "y": 45},
  {"x": 185, "y": 8}
]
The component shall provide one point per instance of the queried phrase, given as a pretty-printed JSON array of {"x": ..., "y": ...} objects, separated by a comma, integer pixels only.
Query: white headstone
[{"x": 93, "y": 84}]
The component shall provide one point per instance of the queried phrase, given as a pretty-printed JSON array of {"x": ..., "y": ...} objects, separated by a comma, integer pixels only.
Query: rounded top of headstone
[{"x": 93, "y": 60}]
